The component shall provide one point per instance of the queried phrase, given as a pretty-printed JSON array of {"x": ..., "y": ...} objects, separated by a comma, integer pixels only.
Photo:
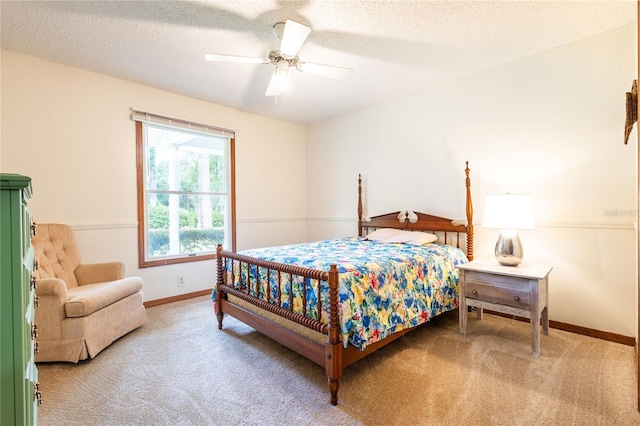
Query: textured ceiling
[{"x": 394, "y": 47}]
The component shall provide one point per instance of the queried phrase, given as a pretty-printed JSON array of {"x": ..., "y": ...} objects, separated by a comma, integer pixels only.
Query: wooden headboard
[{"x": 448, "y": 231}]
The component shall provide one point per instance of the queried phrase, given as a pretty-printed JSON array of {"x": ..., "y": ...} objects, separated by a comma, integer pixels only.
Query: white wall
[
  {"x": 70, "y": 131},
  {"x": 550, "y": 125}
]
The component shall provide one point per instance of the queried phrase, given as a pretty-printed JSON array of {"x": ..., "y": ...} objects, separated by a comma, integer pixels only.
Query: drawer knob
[
  {"x": 474, "y": 291},
  {"x": 517, "y": 298}
]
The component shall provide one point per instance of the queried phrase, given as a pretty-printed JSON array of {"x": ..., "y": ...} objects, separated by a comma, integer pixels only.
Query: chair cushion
[
  {"x": 87, "y": 299},
  {"x": 56, "y": 251}
]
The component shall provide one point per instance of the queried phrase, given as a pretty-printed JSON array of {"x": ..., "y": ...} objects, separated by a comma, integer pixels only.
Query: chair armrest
[
  {"x": 100, "y": 272},
  {"x": 52, "y": 296},
  {"x": 54, "y": 288}
]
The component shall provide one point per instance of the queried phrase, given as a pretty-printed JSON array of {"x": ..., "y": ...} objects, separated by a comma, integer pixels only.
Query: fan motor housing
[{"x": 276, "y": 57}]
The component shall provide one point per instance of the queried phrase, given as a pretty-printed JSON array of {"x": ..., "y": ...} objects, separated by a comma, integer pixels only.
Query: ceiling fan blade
[
  {"x": 338, "y": 73},
  {"x": 233, "y": 58},
  {"x": 294, "y": 35},
  {"x": 275, "y": 87}
]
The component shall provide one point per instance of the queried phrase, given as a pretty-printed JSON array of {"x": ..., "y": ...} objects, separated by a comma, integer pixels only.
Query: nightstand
[{"x": 521, "y": 290}]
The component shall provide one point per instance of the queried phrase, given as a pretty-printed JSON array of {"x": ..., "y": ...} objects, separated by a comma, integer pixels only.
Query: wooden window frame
[{"x": 142, "y": 261}]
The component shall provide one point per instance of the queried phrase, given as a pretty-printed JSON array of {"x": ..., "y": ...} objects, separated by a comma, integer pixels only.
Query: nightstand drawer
[
  {"x": 510, "y": 296},
  {"x": 499, "y": 289}
]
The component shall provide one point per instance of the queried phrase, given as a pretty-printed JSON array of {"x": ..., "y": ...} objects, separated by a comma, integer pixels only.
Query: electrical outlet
[{"x": 180, "y": 281}]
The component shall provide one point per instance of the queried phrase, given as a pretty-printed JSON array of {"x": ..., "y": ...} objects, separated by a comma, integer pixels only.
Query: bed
[{"x": 336, "y": 301}]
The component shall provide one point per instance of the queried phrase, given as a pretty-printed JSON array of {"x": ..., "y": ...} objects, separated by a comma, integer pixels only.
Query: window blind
[{"x": 153, "y": 118}]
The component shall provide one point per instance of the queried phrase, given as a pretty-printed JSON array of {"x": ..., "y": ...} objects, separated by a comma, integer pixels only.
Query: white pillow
[
  {"x": 416, "y": 237},
  {"x": 383, "y": 235},
  {"x": 390, "y": 235}
]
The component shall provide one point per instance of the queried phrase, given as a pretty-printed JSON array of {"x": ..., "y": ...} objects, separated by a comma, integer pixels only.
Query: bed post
[
  {"x": 469, "y": 215},
  {"x": 219, "y": 282},
  {"x": 359, "y": 205},
  {"x": 333, "y": 349}
]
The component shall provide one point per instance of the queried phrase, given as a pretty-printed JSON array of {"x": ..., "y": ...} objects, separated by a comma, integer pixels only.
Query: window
[{"x": 185, "y": 190}]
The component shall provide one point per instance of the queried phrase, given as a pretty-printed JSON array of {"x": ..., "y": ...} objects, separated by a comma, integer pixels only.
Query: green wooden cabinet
[{"x": 19, "y": 393}]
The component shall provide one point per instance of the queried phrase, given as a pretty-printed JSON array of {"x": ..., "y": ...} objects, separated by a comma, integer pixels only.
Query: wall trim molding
[
  {"x": 273, "y": 219},
  {"x": 627, "y": 226},
  {"x": 177, "y": 298},
  {"x": 576, "y": 329},
  {"x": 611, "y": 226}
]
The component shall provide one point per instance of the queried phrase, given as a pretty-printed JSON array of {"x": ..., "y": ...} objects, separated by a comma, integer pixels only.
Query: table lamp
[{"x": 508, "y": 212}]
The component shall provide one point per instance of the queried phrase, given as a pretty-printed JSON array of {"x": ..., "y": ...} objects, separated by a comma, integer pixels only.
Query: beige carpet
[{"x": 179, "y": 369}]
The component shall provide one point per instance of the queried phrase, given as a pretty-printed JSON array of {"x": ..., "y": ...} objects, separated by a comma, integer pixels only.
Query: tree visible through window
[{"x": 185, "y": 193}]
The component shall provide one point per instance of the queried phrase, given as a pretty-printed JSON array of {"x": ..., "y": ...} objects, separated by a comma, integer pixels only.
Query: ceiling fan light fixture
[
  {"x": 282, "y": 67},
  {"x": 280, "y": 78},
  {"x": 283, "y": 77}
]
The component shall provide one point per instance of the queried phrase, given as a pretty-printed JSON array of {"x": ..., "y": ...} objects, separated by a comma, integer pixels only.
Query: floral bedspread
[{"x": 384, "y": 288}]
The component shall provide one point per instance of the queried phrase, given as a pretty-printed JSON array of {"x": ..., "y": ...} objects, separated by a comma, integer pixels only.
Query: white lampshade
[{"x": 508, "y": 211}]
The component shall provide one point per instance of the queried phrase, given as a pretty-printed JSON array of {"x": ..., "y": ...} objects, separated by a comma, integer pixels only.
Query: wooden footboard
[{"x": 328, "y": 354}]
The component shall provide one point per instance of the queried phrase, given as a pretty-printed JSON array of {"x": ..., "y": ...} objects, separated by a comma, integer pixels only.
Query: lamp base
[{"x": 508, "y": 248}]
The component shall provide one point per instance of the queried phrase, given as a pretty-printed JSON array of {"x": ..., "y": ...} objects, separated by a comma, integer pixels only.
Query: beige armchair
[{"x": 82, "y": 308}]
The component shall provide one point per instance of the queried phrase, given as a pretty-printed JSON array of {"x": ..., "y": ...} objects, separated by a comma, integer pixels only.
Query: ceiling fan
[{"x": 293, "y": 35}]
